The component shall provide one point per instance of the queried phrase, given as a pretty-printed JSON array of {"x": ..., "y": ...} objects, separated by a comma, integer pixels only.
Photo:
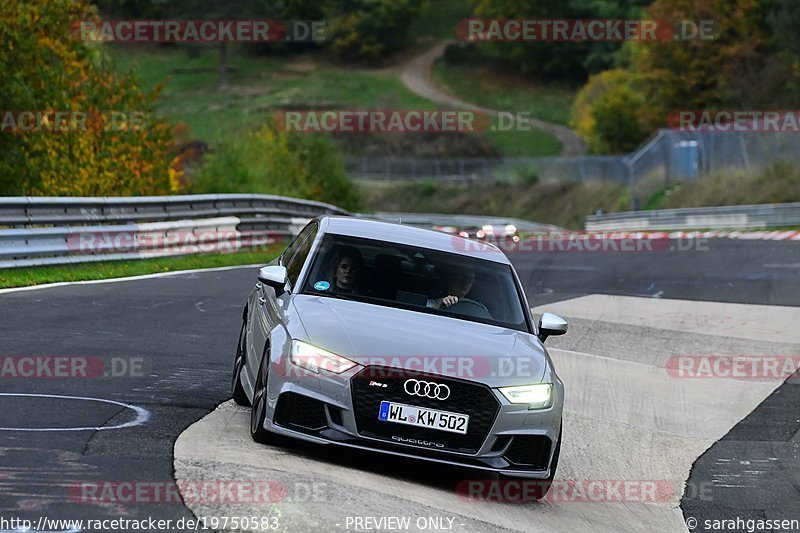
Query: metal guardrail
[
  {"x": 59, "y": 230},
  {"x": 464, "y": 222},
  {"x": 724, "y": 217},
  {"x": 256, "y": 209}
]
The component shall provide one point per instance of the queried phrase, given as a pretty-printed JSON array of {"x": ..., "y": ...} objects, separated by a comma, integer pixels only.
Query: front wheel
[
  {"x": 237, "y": 390},
  {"x": 259, "y": 413}
]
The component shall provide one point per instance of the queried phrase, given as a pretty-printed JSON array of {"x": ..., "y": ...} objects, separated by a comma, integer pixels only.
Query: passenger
[
  {"x": 347, "y": 276},
  {"x": 459, "y": 283}
]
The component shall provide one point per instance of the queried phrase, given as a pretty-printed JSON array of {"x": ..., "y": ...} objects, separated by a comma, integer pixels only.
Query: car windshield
[{"x": 417, "y": 279}]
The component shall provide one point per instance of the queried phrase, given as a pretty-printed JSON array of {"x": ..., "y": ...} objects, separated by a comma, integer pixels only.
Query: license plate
[{"x": 422, "y": 417}]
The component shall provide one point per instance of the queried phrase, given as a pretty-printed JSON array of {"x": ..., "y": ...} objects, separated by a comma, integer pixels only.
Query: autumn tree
[
  {"x": 45, "y": 68},
  {"x": 370, "y": 29},
  {"x": 607, "y": 112},
  {"x": 556, "y": 60},
  {"x": 699, "y": 73},
  {"x": 748, "y": 60}
]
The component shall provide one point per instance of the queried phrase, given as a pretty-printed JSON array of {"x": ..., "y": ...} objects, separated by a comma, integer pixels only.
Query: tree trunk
[{"x": 223, "y": 65}]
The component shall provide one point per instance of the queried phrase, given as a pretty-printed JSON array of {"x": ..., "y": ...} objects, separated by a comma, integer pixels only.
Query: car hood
[{"x": 386, "y": 336}]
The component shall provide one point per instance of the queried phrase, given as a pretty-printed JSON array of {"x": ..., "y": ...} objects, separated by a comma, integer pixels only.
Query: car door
[{"x": 267, "y": 312}]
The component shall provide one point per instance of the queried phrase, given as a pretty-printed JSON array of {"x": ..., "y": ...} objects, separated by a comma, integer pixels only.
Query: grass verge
[
  {"x": 490, "y": 87},
  {"x": 568, "y": 204},
  {"x": 487, "y": 87},
  {"x": 23, "y": 277},
  {"x": 261, "y": 84},
  {"x": 562, "y": 204},
  {"x": 258, "y": 84},
  {"x": 778, "y": 183}
]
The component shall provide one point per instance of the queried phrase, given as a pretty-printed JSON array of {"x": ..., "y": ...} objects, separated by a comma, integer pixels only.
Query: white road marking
[
  {"x": 740, "y": 321},
  {"x": 142, "y": 414},
  {"x": 793, "y": 266},
  {"x": 129, "y": 278}
]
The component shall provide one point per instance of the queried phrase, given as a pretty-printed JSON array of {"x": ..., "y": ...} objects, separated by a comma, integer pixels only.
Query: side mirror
[
  {"x": 551, "y": 325},
  {"x": 274, "y": 276}
]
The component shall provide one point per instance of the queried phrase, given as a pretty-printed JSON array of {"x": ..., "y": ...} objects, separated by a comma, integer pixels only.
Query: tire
[
  {"x": 259, "y": 412},
  {"x": 543, "y": 486},
  {"x": 237, "y": 390}
]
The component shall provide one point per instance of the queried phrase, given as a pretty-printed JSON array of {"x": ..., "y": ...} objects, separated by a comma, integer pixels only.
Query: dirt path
[{"x": 416, "y": 75}]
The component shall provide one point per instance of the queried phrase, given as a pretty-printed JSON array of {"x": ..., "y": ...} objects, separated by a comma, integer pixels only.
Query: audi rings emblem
[{"x": 426, "y": 389}]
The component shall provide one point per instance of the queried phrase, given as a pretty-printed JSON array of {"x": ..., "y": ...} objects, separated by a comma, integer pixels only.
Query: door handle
[
  {"x": 261, "y": 300},
  {"x": 258, "y": 285}
]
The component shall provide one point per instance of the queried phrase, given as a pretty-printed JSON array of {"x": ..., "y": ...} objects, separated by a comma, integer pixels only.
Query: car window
[
  {"x": 295, "y": 263},
  {"x": 417, "y": 279},
  {"x": 292, "y": 248}
]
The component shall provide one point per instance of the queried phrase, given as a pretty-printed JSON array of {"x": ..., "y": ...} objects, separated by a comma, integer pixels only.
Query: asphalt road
[
  {"x": 716, "y": 270},
  {"x": 178, "y": 333},
  {"x": 753, "y": 473}
]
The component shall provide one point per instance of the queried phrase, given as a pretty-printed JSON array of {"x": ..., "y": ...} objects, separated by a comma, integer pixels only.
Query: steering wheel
[{"x": 470, "y": 308}]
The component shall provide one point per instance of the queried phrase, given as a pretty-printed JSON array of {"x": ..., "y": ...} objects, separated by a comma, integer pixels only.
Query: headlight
[
  {"x": 539, "y": 396},
  {"x": 315, "y": 359}
]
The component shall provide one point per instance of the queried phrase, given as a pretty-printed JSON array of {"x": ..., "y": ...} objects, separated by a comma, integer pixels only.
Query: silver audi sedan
[{"x": 402, "y": 341}]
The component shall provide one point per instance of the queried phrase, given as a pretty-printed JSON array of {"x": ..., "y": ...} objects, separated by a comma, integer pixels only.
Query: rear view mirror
[{"x": 551, "y": 325}]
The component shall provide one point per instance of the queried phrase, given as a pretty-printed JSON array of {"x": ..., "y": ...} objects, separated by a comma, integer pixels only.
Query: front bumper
[{"x": 342, "y": 410}]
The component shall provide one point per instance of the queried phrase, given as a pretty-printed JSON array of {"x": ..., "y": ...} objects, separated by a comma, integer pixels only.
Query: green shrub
[
  {"x": 371, "y": 29},
  {"x": 427, "y": 188},
  {"x": 462, "y": 54},
  {"x": 267, "y": 161},
  {"x": 528, "y": 176}
]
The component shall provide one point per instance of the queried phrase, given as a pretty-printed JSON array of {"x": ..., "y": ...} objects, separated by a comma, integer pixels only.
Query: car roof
[{"x": 410, "y": 235}]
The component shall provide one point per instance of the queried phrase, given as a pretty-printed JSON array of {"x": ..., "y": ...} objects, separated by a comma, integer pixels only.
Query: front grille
[
  {"x": 301, "y": 411},
  {"x": 531, "y": 451},
  {"x": 466, "y": 397}
]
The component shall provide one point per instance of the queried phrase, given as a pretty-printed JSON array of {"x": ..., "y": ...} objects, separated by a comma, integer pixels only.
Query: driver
[
  {"x": 459, "y": 283},
  {"x": 347, "y": 276}
]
